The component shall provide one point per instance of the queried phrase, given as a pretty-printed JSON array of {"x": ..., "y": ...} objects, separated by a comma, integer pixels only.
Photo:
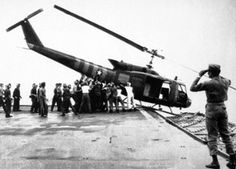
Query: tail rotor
[{"x": 20, "y": 22}]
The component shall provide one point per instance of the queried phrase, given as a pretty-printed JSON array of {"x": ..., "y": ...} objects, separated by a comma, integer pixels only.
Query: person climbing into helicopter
[{"x": 216, "y": 115}]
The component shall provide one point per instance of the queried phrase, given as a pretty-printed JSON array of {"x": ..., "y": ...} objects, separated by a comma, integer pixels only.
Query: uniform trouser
[
  {"x": 43, "y": 108},
  {"x": 130, "y": 102},
  {"x": 54, "y": 99},
  {"x": 7, "y": 107},
  {"x": 16, "y": 105},
  {"x": 33, "y": 105},
  {"x": 112, "y": 100},
  {"x": 65, "y": 105},
  {"x": 1, "y": 101},
  {"x": 58, "y": 101},
  {"x": 119, "y": 100},
  {"x": 85, "y": 100},
  {"x": 97, "y": 101},
  {"x": 217, "y": 122}
]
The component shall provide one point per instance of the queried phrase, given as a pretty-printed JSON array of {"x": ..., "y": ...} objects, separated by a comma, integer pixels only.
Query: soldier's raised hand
[{"x": 202, "y": 72}]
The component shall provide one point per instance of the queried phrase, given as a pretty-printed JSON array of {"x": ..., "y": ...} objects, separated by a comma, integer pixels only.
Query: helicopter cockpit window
[{"x": 182, "y": 93}]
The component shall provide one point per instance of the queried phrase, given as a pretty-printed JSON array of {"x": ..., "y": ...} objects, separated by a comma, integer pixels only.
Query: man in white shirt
[{"x": 85, "y": 97}]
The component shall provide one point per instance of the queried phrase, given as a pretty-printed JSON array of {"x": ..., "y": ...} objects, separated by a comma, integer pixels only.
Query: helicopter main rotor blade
[{"x": 144, "y": 49}]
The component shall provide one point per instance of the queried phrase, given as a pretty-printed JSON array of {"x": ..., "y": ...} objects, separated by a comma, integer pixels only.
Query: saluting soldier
[{"x": 216, "y": 115}]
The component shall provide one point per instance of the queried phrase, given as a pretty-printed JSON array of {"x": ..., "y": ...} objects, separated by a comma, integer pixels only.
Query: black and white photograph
[{"x": 118, "y": 84}]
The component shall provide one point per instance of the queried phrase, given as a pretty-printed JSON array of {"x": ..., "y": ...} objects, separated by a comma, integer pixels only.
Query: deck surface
[{"x": 126, "y": 140}]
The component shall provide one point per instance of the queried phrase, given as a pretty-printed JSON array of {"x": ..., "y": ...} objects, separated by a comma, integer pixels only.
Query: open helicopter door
[{"x": 152, "y": 87}]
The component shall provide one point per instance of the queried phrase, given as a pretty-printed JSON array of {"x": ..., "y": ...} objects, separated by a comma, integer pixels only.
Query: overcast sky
[{"x": 192, "y": 33}]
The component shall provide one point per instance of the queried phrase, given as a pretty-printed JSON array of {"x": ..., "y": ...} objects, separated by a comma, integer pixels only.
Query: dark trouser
[
  {"x": 119, "y": 100},
  {"x": 65, "y": 105},
  {"x": 85, "y": 100},
  {"x": 77, "y": 98},
  {"x": 7, "y": 107},
  {"x": 97, "y": 101},
  {"x": 58, "y": 101},
  {"x": 217, "y": 122},
  {"x": 43, "y": 108},
  {"x": 1, "y": 101},
  {"x": 33, "y": 108},
  {"x": 16, "y": 105},
  {"x": 111, "y": 101},
  {"x": 53, "y": 103}
]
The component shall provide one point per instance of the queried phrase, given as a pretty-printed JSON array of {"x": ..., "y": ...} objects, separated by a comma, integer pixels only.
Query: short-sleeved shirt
[
  {"x": 216, "y": 89},
  {"x": 85, "y": 89}
]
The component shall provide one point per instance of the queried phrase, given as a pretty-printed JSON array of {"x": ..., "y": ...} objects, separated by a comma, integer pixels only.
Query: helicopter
[{"x": 148, "y": 85}]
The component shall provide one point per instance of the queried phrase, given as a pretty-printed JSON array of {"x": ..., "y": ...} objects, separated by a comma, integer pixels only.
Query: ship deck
[{"x": 127, "y": 140}]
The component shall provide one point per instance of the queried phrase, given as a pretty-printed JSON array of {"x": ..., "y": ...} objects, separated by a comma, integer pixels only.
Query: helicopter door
[
  {"x": 152, "y": 87},
  {"x": 165, "y": 91}
]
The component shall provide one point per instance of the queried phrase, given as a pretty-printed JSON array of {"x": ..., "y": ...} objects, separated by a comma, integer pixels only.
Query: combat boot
[
  {"x": 8, "y": 116},
  {"x": 214, "y": 164},
  {"x": 232, "y": 161}
]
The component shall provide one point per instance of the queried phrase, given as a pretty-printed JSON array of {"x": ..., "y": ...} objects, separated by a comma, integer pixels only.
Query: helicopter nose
[{"x": 189, "y": 102}]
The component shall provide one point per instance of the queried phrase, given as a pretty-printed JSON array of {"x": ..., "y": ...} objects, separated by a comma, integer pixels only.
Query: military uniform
[
  {"x": 7, "y": 101},
  {"x": 57, "y": 98},
  {"x": 33, "y": 96},
  {"x": 97, "y": 92},
  {"x": 17, "y": 97},
  {"x": 65, "y": 100},
  {"x": 76, "y": 95},
  {"x": 1, "y": 95},
  {"x": 43, "y": 101},
  {"x": 216, "y": 115}
]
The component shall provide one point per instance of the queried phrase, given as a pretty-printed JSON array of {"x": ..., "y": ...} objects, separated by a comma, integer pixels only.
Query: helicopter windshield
[
  {"x": 182, "y": 87},
  {"x": 182, "y": 93}
]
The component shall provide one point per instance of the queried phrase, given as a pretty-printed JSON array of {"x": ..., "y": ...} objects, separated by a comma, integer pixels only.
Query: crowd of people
[
  {"x": 91, "y": 95},
  {"x": 85, "y": 96},
  {"x": 6, "y": 99}
]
